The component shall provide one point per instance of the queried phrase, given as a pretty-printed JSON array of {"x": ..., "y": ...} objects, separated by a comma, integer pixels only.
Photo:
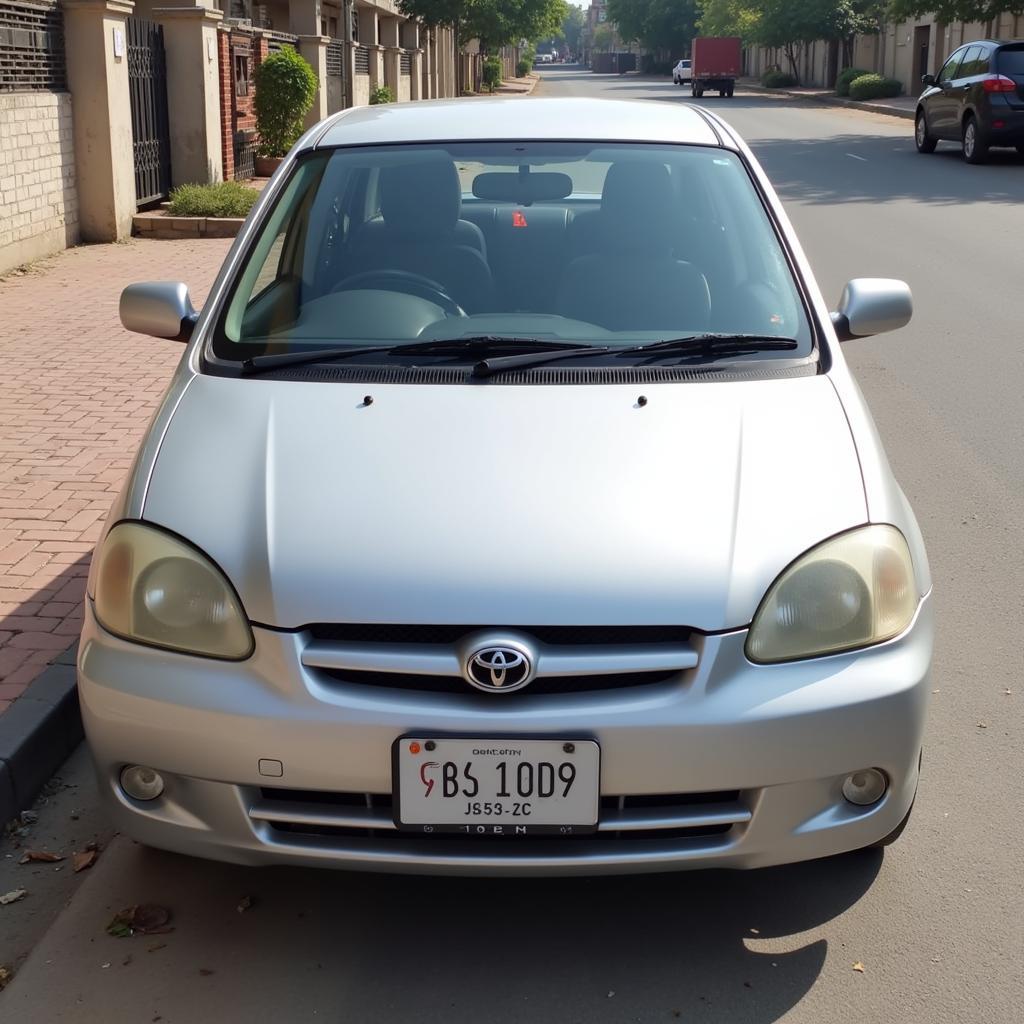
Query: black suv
[{"x": 977, "y": 99}]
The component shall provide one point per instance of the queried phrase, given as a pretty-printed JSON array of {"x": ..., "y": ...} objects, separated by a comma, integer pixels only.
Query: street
[{"x": 934, "y": 926}]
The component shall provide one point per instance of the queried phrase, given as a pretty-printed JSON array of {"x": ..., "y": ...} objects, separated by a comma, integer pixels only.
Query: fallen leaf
[
  {"x": 156, "y": 946},
  {"x": 104, "y": 966},
  {"x": 244, "y": 904},
  {"x": 41, "y": 856},
  {"x": 144, "y": 918},
  {"x": 13, "y": 896},
  {"x": 858, "y": 967},
  {"x": 82, "y": 859},
  {"x": 936, "y": 959},
  {"x": 205, "y": 971},
  {"x": 6, "y": 977}
]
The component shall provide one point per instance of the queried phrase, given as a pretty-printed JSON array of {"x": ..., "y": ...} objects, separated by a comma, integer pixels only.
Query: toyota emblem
[{"x": 498, "y": 668}]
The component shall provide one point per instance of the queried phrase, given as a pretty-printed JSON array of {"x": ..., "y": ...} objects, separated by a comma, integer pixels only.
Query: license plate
[{"x": 496, "y": 787}]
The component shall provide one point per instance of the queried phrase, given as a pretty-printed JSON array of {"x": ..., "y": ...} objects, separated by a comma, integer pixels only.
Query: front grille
[
  {"x": 318, "y": 815},
  {"x": 456, "y": 684},
  {"x": 378, "y": 633}
]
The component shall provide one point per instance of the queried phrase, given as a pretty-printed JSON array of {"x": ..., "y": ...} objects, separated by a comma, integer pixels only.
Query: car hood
[{"x": 506, "y": 505}]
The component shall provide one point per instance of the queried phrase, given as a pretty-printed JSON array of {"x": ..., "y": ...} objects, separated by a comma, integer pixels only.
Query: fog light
[
  {"x": 141, "y": 783},
  {"x": 865, "y": 787}
]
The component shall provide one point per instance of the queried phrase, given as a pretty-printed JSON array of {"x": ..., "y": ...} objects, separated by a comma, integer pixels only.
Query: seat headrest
[
  {"x": 422, "y": 198},
  {"x": 637, "y": 200}
]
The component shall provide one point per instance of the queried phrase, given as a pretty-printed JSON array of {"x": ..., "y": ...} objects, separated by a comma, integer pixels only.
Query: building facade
[
  {"x": 901, "y": 50},
  {"x": 106, "y": 105}
]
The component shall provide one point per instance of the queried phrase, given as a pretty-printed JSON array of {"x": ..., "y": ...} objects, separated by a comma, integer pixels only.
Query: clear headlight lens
[
  {"x": 155, "y": 589},
  {"x": 852, "y": 591}
]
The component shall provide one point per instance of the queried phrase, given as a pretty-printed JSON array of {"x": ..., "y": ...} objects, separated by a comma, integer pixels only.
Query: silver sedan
[{"x": 512, "y": 511}]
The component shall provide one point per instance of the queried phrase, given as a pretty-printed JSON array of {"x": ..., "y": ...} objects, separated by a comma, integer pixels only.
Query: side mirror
[
  {"x": 162, "y": 309},
  {"x": 872, "y": 305},
  {"x": 927, "y": 79}
]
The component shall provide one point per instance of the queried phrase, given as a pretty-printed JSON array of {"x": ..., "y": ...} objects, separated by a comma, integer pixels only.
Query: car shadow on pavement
[{"x": 716, "y": 946}]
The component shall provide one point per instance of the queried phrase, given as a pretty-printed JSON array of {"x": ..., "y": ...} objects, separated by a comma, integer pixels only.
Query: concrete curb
[
  {"x": 37, "y": 732},
  {"x": 835, "y": 101}
]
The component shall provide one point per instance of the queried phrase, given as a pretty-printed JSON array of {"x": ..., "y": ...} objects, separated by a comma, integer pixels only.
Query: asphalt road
[{"x": 936, "y": 924}]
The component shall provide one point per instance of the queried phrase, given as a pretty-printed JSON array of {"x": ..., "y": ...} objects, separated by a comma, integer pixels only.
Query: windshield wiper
[
  {"x": 710, "y": 344},
  {"x": 702, "y": 344},
  {"x": 480, "y": 344},
  {"x": 489, "y": 367}
]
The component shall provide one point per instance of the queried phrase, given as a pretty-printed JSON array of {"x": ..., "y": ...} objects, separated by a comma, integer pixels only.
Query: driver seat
[{"x": 419, "y": 232}]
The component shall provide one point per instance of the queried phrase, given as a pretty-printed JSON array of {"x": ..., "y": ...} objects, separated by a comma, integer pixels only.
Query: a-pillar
[
  {"x": 97, "y": 66},
  {"x": 193, "y": 92},
  {"x": 313, "y": 49}
]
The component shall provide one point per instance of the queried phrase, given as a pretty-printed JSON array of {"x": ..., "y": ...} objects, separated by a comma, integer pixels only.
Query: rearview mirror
[
  {"x": 927, "y": 79},
  {"x": 162, "y": 309},
  {"x": 522, "y": 189},
  {"x": 872, "y": 305}
]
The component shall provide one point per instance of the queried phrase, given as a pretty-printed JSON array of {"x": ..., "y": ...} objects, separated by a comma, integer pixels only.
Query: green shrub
[
  {"x": 492, "y": 73},
  {"x": 777, "y": 80},
  {"x": 285, "y": 87},
  {"x": 524, "y": 67},
  {"x": 382, "y": 94},
  {"x": 224, "y": 199},
  {"x": 874, "y": 87},
  {"x": 845, "y": 77}
]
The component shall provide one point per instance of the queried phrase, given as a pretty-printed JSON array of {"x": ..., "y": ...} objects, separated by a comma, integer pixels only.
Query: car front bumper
[{"x": 767, "y": 747}]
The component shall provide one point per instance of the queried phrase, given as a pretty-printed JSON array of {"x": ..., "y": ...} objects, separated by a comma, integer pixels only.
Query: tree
[
  {"x": 604, "y": 37},
  {"x": 495, "y": 23},
  {"x": 730, "y": 18},
  {"x": 947, "y": 11},
  {"x": 572, "y": 28},
  {"x": 665, "y": 26},
  {"x": 285, "y": 88},
  {"x": 498, "y": 23}
]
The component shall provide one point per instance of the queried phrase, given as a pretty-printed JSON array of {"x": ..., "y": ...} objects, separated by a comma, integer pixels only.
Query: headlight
[
  {"x": 155, "y": 589},
  {"x": 854, "y": 590}
]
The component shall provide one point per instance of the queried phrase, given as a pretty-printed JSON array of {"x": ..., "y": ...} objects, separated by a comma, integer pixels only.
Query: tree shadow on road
[{"x": 709, "y": 946}]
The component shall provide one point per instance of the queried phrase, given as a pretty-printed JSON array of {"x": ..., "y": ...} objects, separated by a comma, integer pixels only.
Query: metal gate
[{"x": 151, "y": 137}]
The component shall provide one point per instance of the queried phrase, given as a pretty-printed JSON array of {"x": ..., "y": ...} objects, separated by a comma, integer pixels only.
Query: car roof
[{"x": 510, "y": 118}]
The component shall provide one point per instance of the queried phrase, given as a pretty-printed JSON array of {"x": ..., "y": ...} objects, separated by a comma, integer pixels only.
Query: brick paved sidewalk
[{"x": 76, "y": 392}]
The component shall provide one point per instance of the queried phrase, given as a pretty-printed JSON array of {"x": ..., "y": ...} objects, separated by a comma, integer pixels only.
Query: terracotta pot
[{"x": 266, "y": 165}]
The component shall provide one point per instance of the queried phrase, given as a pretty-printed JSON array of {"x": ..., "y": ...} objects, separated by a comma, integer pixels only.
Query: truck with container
[{"x": 716, "y": 62}]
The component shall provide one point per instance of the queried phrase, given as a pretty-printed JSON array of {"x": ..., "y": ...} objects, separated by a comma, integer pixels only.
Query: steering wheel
[{"x": 403, "y": 281}]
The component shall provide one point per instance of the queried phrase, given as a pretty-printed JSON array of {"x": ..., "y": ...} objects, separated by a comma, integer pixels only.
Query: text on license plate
[{"x": 496, "y": 786}]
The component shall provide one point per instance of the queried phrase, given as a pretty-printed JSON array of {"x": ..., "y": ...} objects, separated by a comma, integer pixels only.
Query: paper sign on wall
[{"x": 118, "y": 42}]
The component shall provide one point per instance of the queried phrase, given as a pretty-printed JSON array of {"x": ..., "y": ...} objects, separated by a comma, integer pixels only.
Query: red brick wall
[
  {"x": 237, "y": 113},
  {"x": 226, "y": 105}
]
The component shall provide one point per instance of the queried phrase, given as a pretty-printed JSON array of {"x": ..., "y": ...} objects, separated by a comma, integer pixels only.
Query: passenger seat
[{"x": 630, "y": 279}]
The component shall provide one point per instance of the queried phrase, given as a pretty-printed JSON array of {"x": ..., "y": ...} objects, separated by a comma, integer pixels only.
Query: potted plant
[{"x": 285, "y": 88}]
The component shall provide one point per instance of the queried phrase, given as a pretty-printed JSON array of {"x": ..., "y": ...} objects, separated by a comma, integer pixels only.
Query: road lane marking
[{"x": 854, "y": 156}]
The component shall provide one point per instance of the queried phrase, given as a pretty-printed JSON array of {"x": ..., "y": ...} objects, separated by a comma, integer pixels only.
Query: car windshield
[{"x": 593, "y": 244}]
